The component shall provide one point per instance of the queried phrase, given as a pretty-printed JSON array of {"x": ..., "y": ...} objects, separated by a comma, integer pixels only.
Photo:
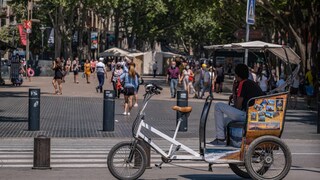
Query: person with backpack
[{"x": 58, "y": 76}]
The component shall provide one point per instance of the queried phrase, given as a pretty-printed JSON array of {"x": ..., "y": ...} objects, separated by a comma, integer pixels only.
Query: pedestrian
[
  {"x": 115, "y": 79},
  {"x": 30, "y": 72},
  {"x": 130, "y": 80},
  {"x": 68, "y": 65},
  {"x": 87, "y": 70},
  {"x": 93, "y": 65},
  {"x": 229, "y": 69},
  {"x": 262, "y": 80},
  {"x": 184, "y": 78},
  {"x": 272, "y": 81},
  {"x": 311, "y": 85},
  {"x": 220, "y": 79},
  {"x": 280, "y": 84},
  {"x": 101, "y": 73},
  {"x": 154, "y": 68},
  {"x": 197, "y": 78},
  {"x": 173, "y": 75},
  {"x": 75, "y": 69},
  {"x": 294, "y": 89},
  {"x": 58, "y": 76},
  {"x": 206, "y": 80}
]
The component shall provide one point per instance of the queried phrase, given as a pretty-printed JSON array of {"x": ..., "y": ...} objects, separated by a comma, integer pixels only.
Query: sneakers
[
  {"x": 97, "y": 89},
  {"x": 135, "y": 105},
  {"x": 218, "y": 142},
  {"x": 126, "y": 113}
]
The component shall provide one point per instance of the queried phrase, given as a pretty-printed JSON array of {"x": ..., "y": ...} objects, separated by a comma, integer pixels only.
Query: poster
[
  {"x": 267, "y": 113},
  {"x": 23, "y": 35},
  {"x": 94, "y": 40}
]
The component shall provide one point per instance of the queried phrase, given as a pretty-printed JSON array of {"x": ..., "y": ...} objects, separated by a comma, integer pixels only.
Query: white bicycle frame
[{"x": 194, "y": 155}]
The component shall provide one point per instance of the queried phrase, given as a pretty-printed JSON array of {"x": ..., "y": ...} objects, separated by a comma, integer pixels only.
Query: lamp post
[{"x": 42, "y": 28}]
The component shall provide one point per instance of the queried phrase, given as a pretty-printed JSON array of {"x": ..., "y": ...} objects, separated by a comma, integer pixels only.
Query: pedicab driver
[{"x": 224, "y": 113}]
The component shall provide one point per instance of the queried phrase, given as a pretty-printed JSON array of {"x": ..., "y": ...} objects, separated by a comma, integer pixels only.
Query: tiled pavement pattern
[{"x": 82, "y": 117}]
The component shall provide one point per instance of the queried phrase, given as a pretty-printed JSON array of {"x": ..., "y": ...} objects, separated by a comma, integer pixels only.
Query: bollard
[
  {"x": 318, "y": 123},
  {"x": 41, "y": 153},
  {"x": 182, "y": 101},
  {"x": 34, "y": 110},
  {"x": 146, "y": 148},
  {"x": 108, "y": 110}
]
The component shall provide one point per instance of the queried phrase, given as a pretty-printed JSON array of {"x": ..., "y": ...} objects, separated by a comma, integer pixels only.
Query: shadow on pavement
[
  {"x": 210, "y": 176},
  {"x": 13, "y": 119}
]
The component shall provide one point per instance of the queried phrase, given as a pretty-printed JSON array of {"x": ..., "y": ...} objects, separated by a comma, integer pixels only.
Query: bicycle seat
[{"x": 182, "y": 109}]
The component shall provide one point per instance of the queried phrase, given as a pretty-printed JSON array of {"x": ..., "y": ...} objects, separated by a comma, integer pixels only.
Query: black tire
[
  {"x": 264, "y": 157},
  {"x": 240, "y": 170},
  {"x": 118, "y": 165}
]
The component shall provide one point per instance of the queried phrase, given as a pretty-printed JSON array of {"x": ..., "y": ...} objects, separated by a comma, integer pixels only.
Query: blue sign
[{"x": 251, "y": 6}]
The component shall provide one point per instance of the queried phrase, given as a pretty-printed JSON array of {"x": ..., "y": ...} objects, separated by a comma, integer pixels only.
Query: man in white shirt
[{"x": 101, "y": 72}]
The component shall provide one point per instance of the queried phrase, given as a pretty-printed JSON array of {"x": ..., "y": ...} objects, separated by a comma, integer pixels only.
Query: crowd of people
[{"x": 124, "y": 77}]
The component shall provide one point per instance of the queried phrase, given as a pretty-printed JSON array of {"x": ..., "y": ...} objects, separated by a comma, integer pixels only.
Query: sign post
[{"x": 250, "y": 19}]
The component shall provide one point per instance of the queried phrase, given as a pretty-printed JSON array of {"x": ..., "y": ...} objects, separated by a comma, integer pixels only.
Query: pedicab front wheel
[
  {"x": 121, "y": 166},
  {"x": 268, "y": 157}
]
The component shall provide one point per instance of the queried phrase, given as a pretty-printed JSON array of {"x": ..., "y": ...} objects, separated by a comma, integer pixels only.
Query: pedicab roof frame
[{"x": 286, "y": 54}]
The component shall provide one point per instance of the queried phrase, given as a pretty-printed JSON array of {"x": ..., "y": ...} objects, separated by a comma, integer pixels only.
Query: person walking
[
  {"x": 58, "y": 76},
  {"x": 68, "y": 65},
  {"x": 262, "y": 80},
  {"x": 130, "y": 80},
  {"x": 206, "y": 80},
  {"x": 154, "y": 68},
  {"x": 294, "y": 89},
  {"x": 87, "y": 70},
  {"x": 220, "y": 79},
  {"x": 93, "y": 65},
  {"x": 116, "y": 80},
  {"x": 311, "y": 85},
  {"x": 173, "y": 75},
  {"x": 75, "y": 69},
  {"x": 101, "y": 73}
]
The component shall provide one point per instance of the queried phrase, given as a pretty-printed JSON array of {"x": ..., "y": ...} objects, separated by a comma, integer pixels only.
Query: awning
[
  {"x": 278, "y": 50},
  {"x": 114, "y": 52}
]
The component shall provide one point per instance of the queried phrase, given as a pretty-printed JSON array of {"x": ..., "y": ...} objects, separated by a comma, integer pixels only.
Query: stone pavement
[{"x": 78, "y": 112}]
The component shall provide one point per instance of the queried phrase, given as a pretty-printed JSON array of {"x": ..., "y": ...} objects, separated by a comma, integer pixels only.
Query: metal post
[
  {"x": 247, "y": 39},
  {"x": 34, "y": 110},
  {"x": 29, "y": 6},
  {"x": 182, "y": 101},
  {"x": 318, "y": 123},
  {"x": 41, "y": 153},
  {"x": 108, "y": 110}
]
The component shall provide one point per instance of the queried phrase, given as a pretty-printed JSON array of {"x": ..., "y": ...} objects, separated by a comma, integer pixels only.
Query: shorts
[
  {"x": 220, "y": 79},
  {"x": 75, "y": 72},
  {"x": 294, "y": 91},
  {"x": 129, "y": 91}
]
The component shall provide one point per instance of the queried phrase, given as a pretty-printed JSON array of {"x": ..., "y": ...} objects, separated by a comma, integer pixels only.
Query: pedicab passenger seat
[{"x": 265, "y": 116}]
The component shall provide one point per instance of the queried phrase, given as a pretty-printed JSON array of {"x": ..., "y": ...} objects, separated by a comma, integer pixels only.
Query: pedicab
[{"x": 253, "y": 149}]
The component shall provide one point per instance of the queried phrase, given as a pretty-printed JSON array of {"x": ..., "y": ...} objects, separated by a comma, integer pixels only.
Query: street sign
[
  {"x": 254, "y": 34},
  {"x": 251, "y": 6}
]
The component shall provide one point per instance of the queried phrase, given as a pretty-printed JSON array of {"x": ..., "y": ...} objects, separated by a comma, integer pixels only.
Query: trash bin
[
  {"x": 34, "y": 110},
  {"x": 41, "y": 153},
  {"x": 108, "y": 110},
  {"x": 182, "y": 101}
]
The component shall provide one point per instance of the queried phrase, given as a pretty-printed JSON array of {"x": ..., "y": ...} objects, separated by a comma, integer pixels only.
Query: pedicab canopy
[{"x": 286, "y": 54}]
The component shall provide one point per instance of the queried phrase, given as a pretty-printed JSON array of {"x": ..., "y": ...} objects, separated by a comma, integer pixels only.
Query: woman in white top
[
  {"x": 185, "y": 78},
  {"x": 263, "y": 82},
  {"x": 294, "y": 91}
]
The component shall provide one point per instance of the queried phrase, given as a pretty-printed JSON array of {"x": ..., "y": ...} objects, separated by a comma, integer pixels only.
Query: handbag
[{"x": 83, "y": 75}]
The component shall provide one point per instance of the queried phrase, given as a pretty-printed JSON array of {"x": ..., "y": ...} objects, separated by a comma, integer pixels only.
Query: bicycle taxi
[{"x": 254, "y": 148}]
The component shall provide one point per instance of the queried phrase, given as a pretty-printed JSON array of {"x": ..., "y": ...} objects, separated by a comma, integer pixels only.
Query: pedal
[
  {"x": 210, "y": 167},
  {"x": 159, "y": 165}
]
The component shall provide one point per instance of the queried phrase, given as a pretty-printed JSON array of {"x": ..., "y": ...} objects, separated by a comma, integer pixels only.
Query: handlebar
[{"x": 153, "y": 88}]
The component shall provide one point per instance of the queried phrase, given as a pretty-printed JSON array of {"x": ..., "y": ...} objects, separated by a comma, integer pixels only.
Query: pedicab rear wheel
[
  {"x": 268, "y": 157},
  {"x": 119, "y": 164}
]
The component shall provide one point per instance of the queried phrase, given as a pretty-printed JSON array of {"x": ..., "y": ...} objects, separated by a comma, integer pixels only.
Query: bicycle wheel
[
  {"x": 268, "y": 157},
  {"x": 119, "y": 165},
  {"x": 240, "y": 170}
]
